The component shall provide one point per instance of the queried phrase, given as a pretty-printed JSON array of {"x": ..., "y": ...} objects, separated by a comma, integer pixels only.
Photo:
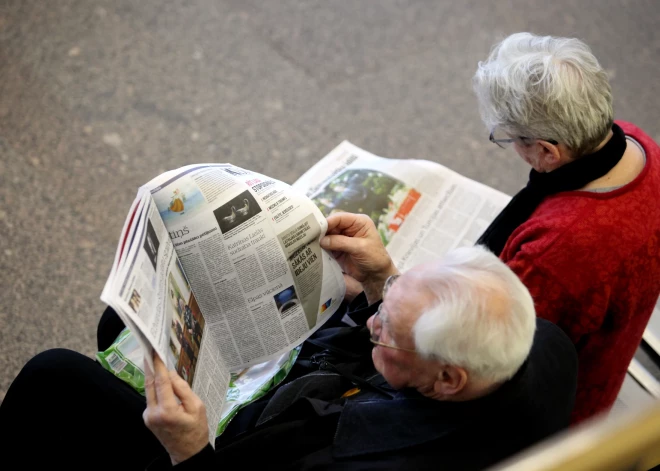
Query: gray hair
[
  {"x": 484, "y": 318},
  {"x": 547, "y": 88}
]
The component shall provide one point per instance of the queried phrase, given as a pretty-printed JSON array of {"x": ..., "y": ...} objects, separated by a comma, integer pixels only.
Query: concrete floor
[{"x": 97, "y": 97}]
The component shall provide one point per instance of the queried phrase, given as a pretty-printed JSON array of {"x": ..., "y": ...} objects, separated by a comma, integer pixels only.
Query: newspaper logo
[{"x": 326, "y": 305}]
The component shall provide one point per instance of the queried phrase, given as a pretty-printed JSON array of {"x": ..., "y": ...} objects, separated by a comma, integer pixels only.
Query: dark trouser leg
[
  {"x": 65, "y": 409},
  {"x": 110, "y": 326}
]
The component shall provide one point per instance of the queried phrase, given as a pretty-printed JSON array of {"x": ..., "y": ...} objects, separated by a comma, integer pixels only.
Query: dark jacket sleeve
[{"x": 202, "y": 461}]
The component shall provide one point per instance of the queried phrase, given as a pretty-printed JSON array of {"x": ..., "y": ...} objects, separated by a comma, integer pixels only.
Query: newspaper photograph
[
  {"x": 387, "y": 200},
  {"x": 186, "y": 326},
  {"x": 421, "y": 209}
]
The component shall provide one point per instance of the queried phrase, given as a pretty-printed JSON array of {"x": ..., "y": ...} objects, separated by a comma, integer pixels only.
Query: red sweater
[{"x": 592, "y": 264}]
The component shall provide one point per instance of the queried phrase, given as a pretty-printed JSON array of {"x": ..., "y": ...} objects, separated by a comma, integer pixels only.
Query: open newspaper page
[
  {"x": 149, "y": 291},
  {"x": 421, "y": 209},
  {"x": 249, "y": 246}
]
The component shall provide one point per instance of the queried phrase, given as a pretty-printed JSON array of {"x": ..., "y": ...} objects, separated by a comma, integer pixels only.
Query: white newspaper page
[
  {"x": 421, "y": 209},
  {"x": 249, "y": 246},
  {"x": 151, "y": 294}
]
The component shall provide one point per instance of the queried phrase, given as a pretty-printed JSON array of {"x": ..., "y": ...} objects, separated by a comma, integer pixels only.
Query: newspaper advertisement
[
  {"x": 249, "y": 246},
  {"x": 421, "y": 209}
]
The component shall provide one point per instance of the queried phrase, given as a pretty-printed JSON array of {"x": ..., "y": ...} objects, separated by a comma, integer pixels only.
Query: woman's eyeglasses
[{"x": 503, "y": 140}]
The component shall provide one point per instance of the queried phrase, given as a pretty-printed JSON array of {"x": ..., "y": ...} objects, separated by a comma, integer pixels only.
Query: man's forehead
[{"x": 406, "y": 299}]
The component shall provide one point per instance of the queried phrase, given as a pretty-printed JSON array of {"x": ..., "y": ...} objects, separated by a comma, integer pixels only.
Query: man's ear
[
  {"x": 450, "y": 381},
  {"x": 551, "y": 155}
]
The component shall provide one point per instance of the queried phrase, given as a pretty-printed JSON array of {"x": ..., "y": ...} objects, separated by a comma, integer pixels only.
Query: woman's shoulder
[
  {"x": 569, "y": 225},
  {"x": 551, "y": 222},
  {"x": 637, "y": 133}
]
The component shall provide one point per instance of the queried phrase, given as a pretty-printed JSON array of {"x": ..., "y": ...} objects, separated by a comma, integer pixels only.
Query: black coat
[{"x": 305, "y": 424}]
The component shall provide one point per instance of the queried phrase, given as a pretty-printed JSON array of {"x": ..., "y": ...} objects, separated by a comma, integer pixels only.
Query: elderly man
[{"x": 458, "y": 375}]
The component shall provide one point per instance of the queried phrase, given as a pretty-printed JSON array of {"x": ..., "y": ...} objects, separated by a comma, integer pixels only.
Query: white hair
[
  {"x": 484, "y": 318},
  {"x": 545, "y": 87}
]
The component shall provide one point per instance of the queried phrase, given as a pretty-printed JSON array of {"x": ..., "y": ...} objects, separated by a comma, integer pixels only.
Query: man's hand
[
  {"x": 181, "y": 428},
  {"x": 355, "y": 243},
  {"x": 353, "y": 288}
]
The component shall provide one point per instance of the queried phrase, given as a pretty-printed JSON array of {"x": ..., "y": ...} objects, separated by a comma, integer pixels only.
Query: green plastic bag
[{"x": 124, "y": 359}]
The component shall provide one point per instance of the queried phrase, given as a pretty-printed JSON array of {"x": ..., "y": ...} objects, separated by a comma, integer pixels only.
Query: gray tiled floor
[{"x": 96, "y": 97}]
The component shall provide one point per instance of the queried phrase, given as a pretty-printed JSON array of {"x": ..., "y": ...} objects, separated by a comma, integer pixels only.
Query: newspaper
[
  {"x": 421, "y": 209},
  {"x": 218, "y": 269}
]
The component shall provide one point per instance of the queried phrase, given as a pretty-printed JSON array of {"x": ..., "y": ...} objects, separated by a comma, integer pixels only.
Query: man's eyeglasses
[
  {"x": 380, "y": 319},
  {"x": 502, "y": 139}
]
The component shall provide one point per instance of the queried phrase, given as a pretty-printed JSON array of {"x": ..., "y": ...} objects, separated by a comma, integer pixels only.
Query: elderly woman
[{"x": 584, "y": 234}]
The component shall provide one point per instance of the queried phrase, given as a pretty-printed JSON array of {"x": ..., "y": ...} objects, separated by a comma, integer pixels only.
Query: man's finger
[
  {"x": 183, "y": 392},
  {"x": 149, "y": 389},
  {"x": 163, "y": 384},
  {"x": 340, "y": 243},
  {"x": 341, "y": 221}
]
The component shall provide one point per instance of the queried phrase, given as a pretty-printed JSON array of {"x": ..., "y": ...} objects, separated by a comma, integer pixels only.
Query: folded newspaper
[{"x": 219, "y": 269}]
